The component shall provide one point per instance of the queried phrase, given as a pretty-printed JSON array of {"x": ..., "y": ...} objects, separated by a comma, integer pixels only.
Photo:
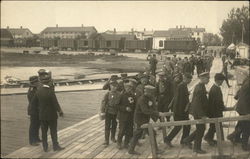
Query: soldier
[
  {"x": 121, "y": 82},
  {"x": 34, "y": 115},
  {"x": 216, "y": 107},
  {"x": 153, "y": 64},
  {"x": 199, "y": 66},
  {"x": 109, "y": 106},
  {"x": 48, "y": 106},
  {"x": 199, "y": 110},
  {"x": 145, "y": 108},
  {"x": 225, "y": 73},
  {"x": 107, "y": 85},
  {"x": 180, "y": 103},
  {"x": 164, "y": 93},
  {"x": 242, "y": 107},
  {"x": 126, "y": 115},
  {"x": 140, "y": 88},
  {"x": 192, "y": 62},
  {"x": 187, "y": 66}
]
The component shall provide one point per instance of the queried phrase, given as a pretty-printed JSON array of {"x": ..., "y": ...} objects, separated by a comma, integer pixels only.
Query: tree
[
  {"x": 210, "y": 39},
  {"x": 231, "y": 29}
]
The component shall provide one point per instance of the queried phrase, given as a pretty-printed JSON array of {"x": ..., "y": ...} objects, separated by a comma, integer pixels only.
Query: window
[
  {"x": 160, "y": 43},
  {"x": 85, "y": 43},
  {"x": 108, "y": 43},
  {"x": 198, "y": 33}
]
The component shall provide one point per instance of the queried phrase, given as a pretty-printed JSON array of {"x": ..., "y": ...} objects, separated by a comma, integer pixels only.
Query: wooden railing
[{"x": 216, "y": 121}]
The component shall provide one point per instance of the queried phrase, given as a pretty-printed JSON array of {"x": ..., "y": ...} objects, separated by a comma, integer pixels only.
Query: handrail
[{"x": 216, "y": 121}]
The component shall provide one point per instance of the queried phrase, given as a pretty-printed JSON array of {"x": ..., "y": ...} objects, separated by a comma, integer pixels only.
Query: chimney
[
  {"x": 180, "y": 26},
  {"x": 8, "y": 27},
  {"x": 21, "y": 27},
  {"x": 144, "y": 29},
  {"x": 114, "y": 30},
  {"x": 196, "y": 26},
  {"x": 132, "y": 30},
  {"x": 82, "y": 25},
  {"x": 184, "y": 26},
  {"x": 57, "y": 25},
  {"x": 176, "y": 26}
]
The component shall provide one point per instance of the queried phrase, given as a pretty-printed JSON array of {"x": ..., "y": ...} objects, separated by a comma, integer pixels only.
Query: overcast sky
[{"x": 123, "y": 16}]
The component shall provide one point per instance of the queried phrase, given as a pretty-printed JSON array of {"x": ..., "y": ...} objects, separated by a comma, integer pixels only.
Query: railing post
[
  {"x": 219, "y": 139},
  {"x": 164, "y": 133},
  {"x": 152, "y": 141}
]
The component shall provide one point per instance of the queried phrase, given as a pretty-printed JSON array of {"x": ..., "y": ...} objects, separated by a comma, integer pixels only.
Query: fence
[{"x": 216, "y": 121}]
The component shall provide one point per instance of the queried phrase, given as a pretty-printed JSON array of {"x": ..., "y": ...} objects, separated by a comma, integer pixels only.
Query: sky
[{"x": 122, "y": 15}]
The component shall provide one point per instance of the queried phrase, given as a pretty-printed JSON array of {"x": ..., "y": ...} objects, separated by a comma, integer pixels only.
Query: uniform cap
[
  {"x": 33, "y": 79},
  {"x": 124, "y": 75},
  {"x": 219, "y": 76},
  {"x": 43, "y": 71},
  {"x": 204, "y": 74},
  {"x": 114, "y": 77}
]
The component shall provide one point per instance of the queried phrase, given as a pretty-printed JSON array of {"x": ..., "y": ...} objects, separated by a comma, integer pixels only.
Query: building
[
  {"x": 68, "y": 32},
  {"x": 197, "y": 33},
  {"x": 243, "y": 50},
  {"x": 6, "y": 38},
  {"x": 20, "y": 33}
]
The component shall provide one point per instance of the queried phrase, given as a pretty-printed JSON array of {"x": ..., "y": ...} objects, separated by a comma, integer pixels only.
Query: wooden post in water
[
  {"x": 219, "y": 139},
  {"x": 152, "y": 141}
]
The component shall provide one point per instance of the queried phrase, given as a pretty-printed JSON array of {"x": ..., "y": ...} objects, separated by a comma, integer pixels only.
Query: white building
[
  {"x": 67, "y": 32},
  {"x": 20, "y": 33},
  {"x": 243, "y": 50},
  {"x": 159, "y": 37}
]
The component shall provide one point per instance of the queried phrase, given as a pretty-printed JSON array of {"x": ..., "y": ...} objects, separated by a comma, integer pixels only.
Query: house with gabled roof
[
  {"x": 6, "y": 38},
  {"x": 68, "y": 32},
  {"x": 20, "y": 33}
]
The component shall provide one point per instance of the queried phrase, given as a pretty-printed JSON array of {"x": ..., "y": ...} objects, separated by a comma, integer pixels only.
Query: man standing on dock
[
  {"x": 199, "y": 110},
  {"x": 33, "y": 113},
  {"x": 48, "y": 106}
]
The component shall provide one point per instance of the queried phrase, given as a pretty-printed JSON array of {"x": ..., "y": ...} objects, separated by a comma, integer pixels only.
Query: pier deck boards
[{"x": 84, "y": 140}]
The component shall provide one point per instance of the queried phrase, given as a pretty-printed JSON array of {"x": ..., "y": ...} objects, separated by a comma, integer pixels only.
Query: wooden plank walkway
[{"x": 85, "y": 139}]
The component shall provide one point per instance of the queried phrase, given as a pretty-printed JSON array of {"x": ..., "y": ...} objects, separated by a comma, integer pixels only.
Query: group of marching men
[{"x": 134, "y": 101}]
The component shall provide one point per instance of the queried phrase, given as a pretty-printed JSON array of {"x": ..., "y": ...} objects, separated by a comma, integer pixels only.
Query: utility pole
[{"x": 242, "y": 32}]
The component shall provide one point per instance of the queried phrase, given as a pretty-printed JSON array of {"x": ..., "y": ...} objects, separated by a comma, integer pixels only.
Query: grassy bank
[{"x": 103, "y": 62}]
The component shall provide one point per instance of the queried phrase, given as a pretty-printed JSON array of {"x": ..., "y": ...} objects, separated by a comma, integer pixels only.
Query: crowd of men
[{"x": 134, "y": 101}]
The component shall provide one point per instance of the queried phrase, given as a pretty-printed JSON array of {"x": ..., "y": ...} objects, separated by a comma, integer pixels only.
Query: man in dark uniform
[
  {"x": 180, "y": 103},
  {"x": 187, "y": 66},
  {"x": 126, "y": 115},
  {"x": 216, "y": 107},
  {"x": 48, "y": 106},
  {"x": 199, "y": 110},
  {"x": 33, "y": 113},
  {"x": 199, "y": 66},
  {"x": 43, "y": 73},
  {"x": 145, "y": 109},
  {"x": 110, "y": 106},
  {"x": 243, "y": 108},
  {"x": 153, "y": 64},
  {"x": 225, "y": 72},
  {"x": 121, "y": 82},
  {"x": 144, "y": 80}
]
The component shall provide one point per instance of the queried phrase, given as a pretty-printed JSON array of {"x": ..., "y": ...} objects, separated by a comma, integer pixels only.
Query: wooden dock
[{"x": 85, "y": 139}]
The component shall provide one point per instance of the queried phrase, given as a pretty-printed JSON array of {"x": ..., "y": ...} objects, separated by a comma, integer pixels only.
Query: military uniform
[
  {"x": 153, "y": 63},
  {"x": 181, "y": 99},
  {"x": 145, "y": 109},
  {"x": 199, "y": 109},
  {"x": 216, "y": 107},
  {"x": 125, "y": 117},
  {"x": 33, "y": 113},
  {"x": 48, "y": 106},
  {"x": 110, "y": 106}
]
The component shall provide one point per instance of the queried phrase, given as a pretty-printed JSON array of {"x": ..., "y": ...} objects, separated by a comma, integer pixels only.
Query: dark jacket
[
  {"x": 216, "y": 104},
  {"x": 242, "y": 105},
  {"x": 110, "y": 102},
  {"x": 127, "y": 100},
  {"x": 45, "y": 99},
  {"x": 187, "y": 67},
  {"x": 199, "y": 103},
  {"x": 30, "y": 95},
  {"x": 181, "y": 100},
  {"x": 145, "y": 108}
]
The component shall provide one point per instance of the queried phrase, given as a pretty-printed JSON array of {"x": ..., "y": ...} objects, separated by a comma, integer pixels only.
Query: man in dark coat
[
  {"x": 243, "y": 108},
  {"x": 181, "y": 101},
  {"x": 153, "y": 64},
  {"x": 48, "y": 106},
  {"x": 126, "y": 115},
  {"x": 187, "y": 66},
  {"x": 145, "y": 109},
  {"x": 33, "y": 113},
  {"x": 216, "y": 107},
  {"x": 199, "y": 110},
  {"x": 225, "y": 72}
]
